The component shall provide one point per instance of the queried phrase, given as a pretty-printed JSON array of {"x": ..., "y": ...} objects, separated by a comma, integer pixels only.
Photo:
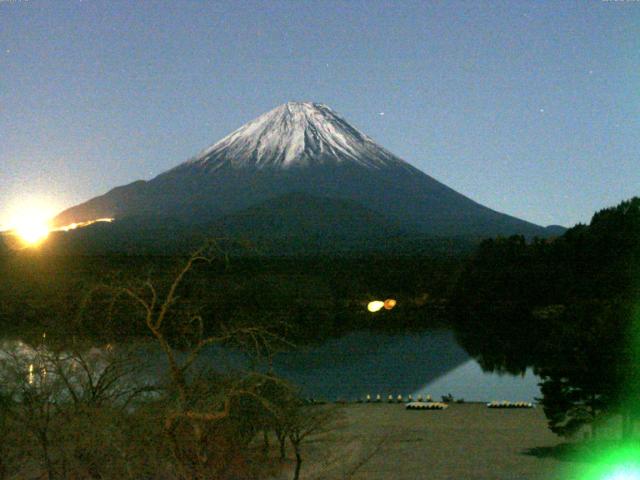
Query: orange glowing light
[
  {"x": 74, "y": 226},
  {"x": 389, "y": 303},
  {"x": 28, "y": 221},
  {"x": 32, "y": 228}
]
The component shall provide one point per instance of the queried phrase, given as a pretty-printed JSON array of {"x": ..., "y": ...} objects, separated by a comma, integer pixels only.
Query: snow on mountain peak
[{"x": 295, "y": 134}]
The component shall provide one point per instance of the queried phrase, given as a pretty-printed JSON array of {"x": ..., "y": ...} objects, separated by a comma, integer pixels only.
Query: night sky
[{"x": 530, "y": 108}]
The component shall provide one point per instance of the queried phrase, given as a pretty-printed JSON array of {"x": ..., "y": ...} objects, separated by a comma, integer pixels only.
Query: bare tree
[
  {"x": 303, "y": 421},
  {"x": 202, "y": 408},
  {"x": 30, "y": 394},
  {"x": 87, "y": 412},
  {"x": 73, "y": 406}
]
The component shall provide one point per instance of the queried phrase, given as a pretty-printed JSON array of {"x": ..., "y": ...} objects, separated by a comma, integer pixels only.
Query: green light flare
[
  {"x": 621, "y": 463},
  {"x": 632, "y": 387},
  {"x": 624, "y": 472}
]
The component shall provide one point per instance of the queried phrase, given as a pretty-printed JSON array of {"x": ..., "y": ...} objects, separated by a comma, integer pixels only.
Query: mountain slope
[
  {"x": 301, "y": 148},
  {"x": 298, "y": 214},
  {"x": 291, "y": 224}
]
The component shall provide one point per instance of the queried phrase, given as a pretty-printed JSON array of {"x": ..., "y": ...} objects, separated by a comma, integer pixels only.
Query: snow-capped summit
[{"x": 295, "y": 134}]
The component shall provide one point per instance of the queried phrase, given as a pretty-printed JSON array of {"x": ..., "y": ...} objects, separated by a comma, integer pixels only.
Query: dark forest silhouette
[{"x": 567, "y": 307}]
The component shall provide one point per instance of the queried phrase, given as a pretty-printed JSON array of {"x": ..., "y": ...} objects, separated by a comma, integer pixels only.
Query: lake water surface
[
  {"x": 424, "y": 363},
  {"x": 369, "y": 363}
]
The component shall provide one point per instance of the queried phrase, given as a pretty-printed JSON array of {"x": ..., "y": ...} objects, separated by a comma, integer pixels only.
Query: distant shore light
[{"x": 375, "y": 306}]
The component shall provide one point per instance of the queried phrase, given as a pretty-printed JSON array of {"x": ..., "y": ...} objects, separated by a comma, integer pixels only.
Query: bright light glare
[
  {"x": 27, "y": 220},
  {"x": 620, "y": 462},
  {"x": 375, "y": 306},
  {"x": 624, "y": 472},
  {"x": 74, "y": 226},
  {"x": 31, "y": 227}
]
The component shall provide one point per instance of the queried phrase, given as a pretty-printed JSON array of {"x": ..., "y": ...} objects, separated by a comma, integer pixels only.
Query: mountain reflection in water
[
  {"x": 423, "y": 363},
  {"x": 364, "y": 363}
]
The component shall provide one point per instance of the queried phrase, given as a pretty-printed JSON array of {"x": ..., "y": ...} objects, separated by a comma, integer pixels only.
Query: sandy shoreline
[{"x": 465, "y": 441}]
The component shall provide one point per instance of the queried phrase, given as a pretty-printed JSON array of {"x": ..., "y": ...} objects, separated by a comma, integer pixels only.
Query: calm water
[
  {"x": 427, "y": 363},
  {"x": 364, "y": 363}
]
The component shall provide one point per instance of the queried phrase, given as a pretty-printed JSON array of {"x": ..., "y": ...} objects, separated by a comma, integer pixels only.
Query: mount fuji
[{"x": 301, "y": 168}]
